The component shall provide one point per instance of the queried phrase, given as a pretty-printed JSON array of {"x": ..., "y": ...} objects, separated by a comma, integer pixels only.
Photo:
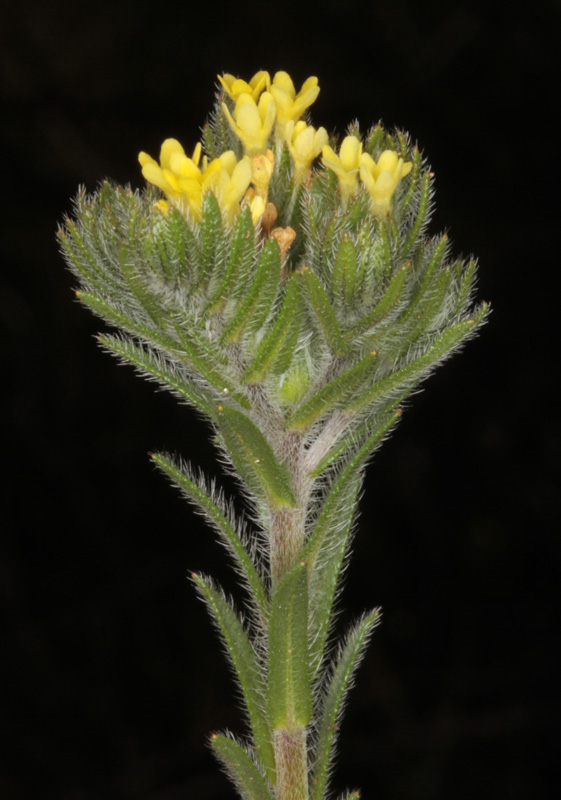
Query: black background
[{"x": 114, "y": 674}]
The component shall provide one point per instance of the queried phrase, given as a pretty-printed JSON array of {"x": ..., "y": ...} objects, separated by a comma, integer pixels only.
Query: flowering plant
[{"x": 284, "y": 285}]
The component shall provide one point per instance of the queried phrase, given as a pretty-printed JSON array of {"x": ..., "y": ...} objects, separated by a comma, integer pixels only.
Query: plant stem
[{"x": 291, "y": 763}]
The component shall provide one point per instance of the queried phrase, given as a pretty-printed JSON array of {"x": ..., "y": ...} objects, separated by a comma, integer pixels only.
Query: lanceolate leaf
[
  {"x": 115, "y": 317},
  {"x": 425, "y": 190},
  {"x": 273, "y": 345},
  {"x": 371, "y": 431},
  {"x": 244, "y": 661},
  {"x": 326, "y": 547},
  {"x": 289, "y": 697},
  {"x": 339, "y": 684},
  {"x": 210, "y": 368},
  {"x": 325, "y": 314},
  {"x": 413, "y": 372},
  {"x": 331, "y": 394},
  {"x": 388, "y": 302},
  {"x": 241, "y": 769},
  {"x": 255, "y": 308},
  {"x": 240, "y": 254},
  {"x": 197, "y": 494},
  {"x": 254, "y": 459},
  {"x": 153, "y": 365}
]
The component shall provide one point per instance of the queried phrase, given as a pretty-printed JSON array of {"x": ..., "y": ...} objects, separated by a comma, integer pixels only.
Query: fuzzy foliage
[{"x": 297, "y": 321}]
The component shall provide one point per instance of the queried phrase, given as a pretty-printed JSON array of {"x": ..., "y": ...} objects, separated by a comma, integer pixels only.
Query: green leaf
[
  {"x": 81, "y": 260},
  {"x": 349, "y": 658},
  {"x": 413, "y": 178},
  {"x": 326, "y": 547},
  {"x": 374, "y": 141},
  {"x": 420, "y": 218},
  {"x": 433, "y": 266},
  {"x": 371, "y": 431},
  {"x": 244, "y": 773},
  {"x": 204, "y": 362},
  {"x": 211, "y": 236},
  {"x": 388, "y": 302},
  {"x": 153, "y": 365},
  {"x": 289, "y": 697},
  {"x": 344, "y": 279},
  {"x": 255, "y": 308},
  {"x": 241, "y": 253},
  {"x": 464, "y": 290},
  {"x": 331, "y": 394},
  {"x": 248, "y": 671},
  {"x": 324, "y": 313},
  {"x": 220, "y": 519},
  {"x": 416, "y": 370},
  {"x": 254, "y": 459},
  {"x": 273, "y": 347},
  {"x": 128, "y": 261},
  {"x": 109, "y": 313},
  {"x": 325, "y": 568}
]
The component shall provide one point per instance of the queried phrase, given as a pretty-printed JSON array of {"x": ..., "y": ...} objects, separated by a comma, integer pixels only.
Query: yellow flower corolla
[
  {"x": 236, "y": 86},
  {"x": 231, "y": 182},
  {"x": 291, "y": 106},
  {"x": 382, "y": 177},
  {"x": 346, "y": 165},
  {"x": 304, "y": 144},
  {"x": 262, "y": 167},
  {"x": 253, "y": 121},
  {"x": 186, "y": 184},
  {"x": 255, "y": 203}
]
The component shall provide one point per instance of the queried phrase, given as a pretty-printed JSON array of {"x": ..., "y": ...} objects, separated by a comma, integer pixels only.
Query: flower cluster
[{"x": 266, "y": 113}]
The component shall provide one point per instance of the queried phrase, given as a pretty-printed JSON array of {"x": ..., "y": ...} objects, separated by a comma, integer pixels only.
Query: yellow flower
[
  {"x": 346, "y": 165},
  {"x": 255, "y": 203},
  {"x": 305, "y": 144},
  {"x": 186, "y": 184},
  {"x": 382, "y": 177},
  {"x": 231, "y": 182},
  {"x": 291, "y": 106},
  {"x": 253, "y": 122},
  {"x": 177, "y": 175},
  {"x": 236, "y": 86},
  {"x": 262, "y": 167}
]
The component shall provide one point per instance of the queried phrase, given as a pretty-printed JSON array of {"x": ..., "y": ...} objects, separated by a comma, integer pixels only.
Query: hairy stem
[
  {"x": 291, "y": 764},
  {"x": 288, "y": 525}
]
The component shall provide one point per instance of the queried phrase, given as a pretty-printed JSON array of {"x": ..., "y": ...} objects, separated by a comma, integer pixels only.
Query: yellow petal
[{"x": 169, "y": 147}]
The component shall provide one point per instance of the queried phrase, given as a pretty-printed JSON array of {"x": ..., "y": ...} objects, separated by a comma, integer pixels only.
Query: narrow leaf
[
  {"x": 289, "y": 697},
  {"x": 153, "y": 365},
  {"x": 201, "y": 497},
  {"x": 324, "y": 314},
  {"x": 128, "y": 263},
  {"x": 115, "y": 317},
  {"x": 370, "y": 431},
  {"x": 211, "y": 235},
  {"x": 240, "y": 254},
  {"x": 247, "y": 669},
  {"x": 326, "y": 547},
  {"x": 340, "y": 682},
  {"x": 209, "y": 367},
  {"x": 388, "y": 302},
  {"x": 255, "y": 308},
  {"x": 331, "y": 394},
  {"x": 241, "y": 769},
  {"x": 345, "y": 271},
  {"x": 413, "y": 372},
  {"x": 254, "y": 459},
  {"x": 425, "y": 192},
  {"x": 272, "y": 347}
]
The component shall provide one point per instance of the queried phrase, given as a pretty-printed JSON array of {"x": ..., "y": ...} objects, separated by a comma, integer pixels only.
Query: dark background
[{"x": 114, "y": 675}]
